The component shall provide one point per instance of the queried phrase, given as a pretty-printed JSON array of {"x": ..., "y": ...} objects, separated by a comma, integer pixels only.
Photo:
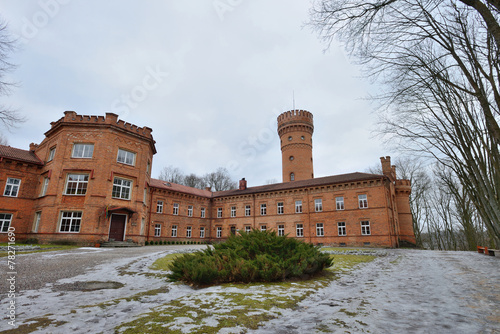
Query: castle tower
[{"x": 295, "y": 128}]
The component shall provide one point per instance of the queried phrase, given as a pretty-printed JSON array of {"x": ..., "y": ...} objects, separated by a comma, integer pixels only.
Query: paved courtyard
[{"x": 94, "y": 290}]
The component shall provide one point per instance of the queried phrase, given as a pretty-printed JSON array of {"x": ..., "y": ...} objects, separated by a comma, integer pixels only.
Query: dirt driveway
[{"x": 405, "y": 291}]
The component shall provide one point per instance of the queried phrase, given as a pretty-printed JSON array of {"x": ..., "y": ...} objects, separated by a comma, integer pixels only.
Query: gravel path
[
  {"x": 408, "y": 291},
  {"x": 404, "y": 291}
]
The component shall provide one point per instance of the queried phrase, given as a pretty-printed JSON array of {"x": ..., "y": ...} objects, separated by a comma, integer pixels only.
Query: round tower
[{"x": 295, "y": 128}]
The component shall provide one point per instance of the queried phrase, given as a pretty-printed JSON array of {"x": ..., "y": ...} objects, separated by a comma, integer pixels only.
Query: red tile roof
[
  {"x": 160, "y": 184},
  {"x": 334, "y": 179},
  {"x": 8, "y": 152}
]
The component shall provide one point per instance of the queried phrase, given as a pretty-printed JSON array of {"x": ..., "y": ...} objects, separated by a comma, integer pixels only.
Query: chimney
[
  {"x": 243, "y": 184},
  {"x": 208, "y": 188},
  {"x": 33, "y": 147},
  {"x": 387, "y": 169}
]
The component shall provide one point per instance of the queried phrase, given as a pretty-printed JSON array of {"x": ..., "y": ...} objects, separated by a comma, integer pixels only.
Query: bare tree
[
  {"x": 194, "y": 181},
  {"x": 172, "y": 174},
  {"x": 438, "y": 62},
  {"x": 220, "y": 180},
  {"x": 8, "y": 116}
]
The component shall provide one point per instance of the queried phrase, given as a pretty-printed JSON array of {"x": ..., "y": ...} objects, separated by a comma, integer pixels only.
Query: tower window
[
  {"x": 292, "y": 177},
  {"x": 290, "y": 138},
  {"x": 291, "y": 158},
  {"x": 302, "y": 137}
]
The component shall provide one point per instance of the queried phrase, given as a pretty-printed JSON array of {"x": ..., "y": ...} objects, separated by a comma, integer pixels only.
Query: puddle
[{"x": 88, "y": 286}]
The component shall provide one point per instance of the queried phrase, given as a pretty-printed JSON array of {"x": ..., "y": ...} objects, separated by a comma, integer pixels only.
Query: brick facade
[{"x": 90, "y": 180}]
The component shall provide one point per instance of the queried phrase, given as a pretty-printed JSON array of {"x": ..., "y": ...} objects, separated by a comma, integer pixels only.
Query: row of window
[
  {"x": 318, "y": 207},
  {"x": 299, "y": 230},
  {"x": 86, "y": 151},
  {"x": 175, "y": 209},
  {"x": 70, "y": 221}
]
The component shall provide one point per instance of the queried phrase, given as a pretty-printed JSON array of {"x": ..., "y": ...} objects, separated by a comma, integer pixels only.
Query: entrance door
[{"x": 117, "y": 228}]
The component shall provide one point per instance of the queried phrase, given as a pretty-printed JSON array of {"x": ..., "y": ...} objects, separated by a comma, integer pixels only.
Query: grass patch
[
  {"x": 238, "y": 306},
  {"x": 164, "y": 263},
  {"x": 348, "y": 262},
  {"x": 35, "y": 324},
  {"x": 43, "y": 248}
]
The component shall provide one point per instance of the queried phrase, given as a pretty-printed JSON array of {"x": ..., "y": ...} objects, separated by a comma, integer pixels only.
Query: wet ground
[{"x": 90, "y": 290}]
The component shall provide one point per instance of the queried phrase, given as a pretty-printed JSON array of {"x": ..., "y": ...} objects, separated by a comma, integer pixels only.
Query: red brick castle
[{"x": 89, "y": 181}]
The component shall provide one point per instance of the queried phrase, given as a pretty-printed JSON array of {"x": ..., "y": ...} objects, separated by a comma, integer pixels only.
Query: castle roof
[
  {"x": 12, "y": 153},
  {"x": 334, "y": 179},
  {"x": 160, "y": 184}
]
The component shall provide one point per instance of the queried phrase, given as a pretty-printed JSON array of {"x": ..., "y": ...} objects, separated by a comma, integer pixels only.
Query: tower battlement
[
  {"x": 109, "y": 119},
  {"x": 295, "y": 128}
]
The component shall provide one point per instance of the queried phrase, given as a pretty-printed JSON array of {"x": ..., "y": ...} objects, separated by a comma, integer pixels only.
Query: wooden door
[{"x": 117, "y": 228}]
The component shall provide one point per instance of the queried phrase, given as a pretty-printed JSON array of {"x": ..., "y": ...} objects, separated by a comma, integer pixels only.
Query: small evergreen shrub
[{"x": 258, "y": 256}]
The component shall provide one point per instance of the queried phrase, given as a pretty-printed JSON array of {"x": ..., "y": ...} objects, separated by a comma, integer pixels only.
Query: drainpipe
[
  {"x": 309, "y": 216},
  {"x": 153, "y": 190}
]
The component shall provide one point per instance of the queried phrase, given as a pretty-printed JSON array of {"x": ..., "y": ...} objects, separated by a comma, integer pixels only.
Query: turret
[{"x": 295, "y": 128}]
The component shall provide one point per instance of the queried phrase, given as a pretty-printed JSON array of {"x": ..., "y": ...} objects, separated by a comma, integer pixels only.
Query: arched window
[{"x": 292, "y": 177}]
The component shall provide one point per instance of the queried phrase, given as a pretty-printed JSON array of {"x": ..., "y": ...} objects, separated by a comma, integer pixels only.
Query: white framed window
[
  {"x": 45, "y": 185},
  {"x": 320, "y": 231},
  {"x": 298, "y": 206},
  {"x": 5, "y": 220},
  {"x": 248, "y": 229},
  {"x": 12, "y": 187},
  {"x": 248, "y": 211},
  {"x": 233, "y": 211},
  {"x": 202, "y": 213},
  {"x": 263, "y": 228},
  {"x": 82, "y": 151},
  {"x": 52, "y": 153},
  {"x": 281, "y": 230},
  {"x": 174, "y": 231},
  {"x": 143, "y": 223},
  {"x": 299, "y": 229},
  {"x": 190, "y": 211},
  {"x": 263, "y": 209},
  {"x": 318, "y": 205},
  {"x": 36, "y": 222},
  {"x": 365, "y": 227},
  {"x": 175, "y": 209},
  {"x": 157, "y": 230},
  {"x": 281, "y": 208},
  {"x": 202, "y": 232},
  {"x": 363, "y": 201},
  {"x": 122, "y": 188},
  {"x": 188, "y": 231},
  {"x": 76, "y": 184},
  {"x": 219, "y": 232},
  {"x": 159, "y": 207},
  {"x": 126, "y": 157},
  {"x": 70, "y": 221},
  {"x": 341, "y": 228},
  {"x": 339, "y": 202},
  {"x": 219, "y": 212}
]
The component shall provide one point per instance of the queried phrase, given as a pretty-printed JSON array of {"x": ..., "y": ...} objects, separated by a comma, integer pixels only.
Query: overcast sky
[{"x": 208, "y": 76}]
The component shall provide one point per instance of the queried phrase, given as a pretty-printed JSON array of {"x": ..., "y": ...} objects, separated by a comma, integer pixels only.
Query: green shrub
[
  {"x": 251, "y": 257},
  {"x": 30, "y": 241}
]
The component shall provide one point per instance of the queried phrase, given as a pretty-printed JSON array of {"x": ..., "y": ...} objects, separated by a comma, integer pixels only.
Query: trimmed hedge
[{"x": 258, "y": 256}]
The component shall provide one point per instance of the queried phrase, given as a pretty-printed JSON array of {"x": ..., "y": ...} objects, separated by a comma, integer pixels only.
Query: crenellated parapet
[
  {"x": 402, "y": 187},
  {"x": 295, "y": 120},
  {"x": 71, "y": 117}
]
